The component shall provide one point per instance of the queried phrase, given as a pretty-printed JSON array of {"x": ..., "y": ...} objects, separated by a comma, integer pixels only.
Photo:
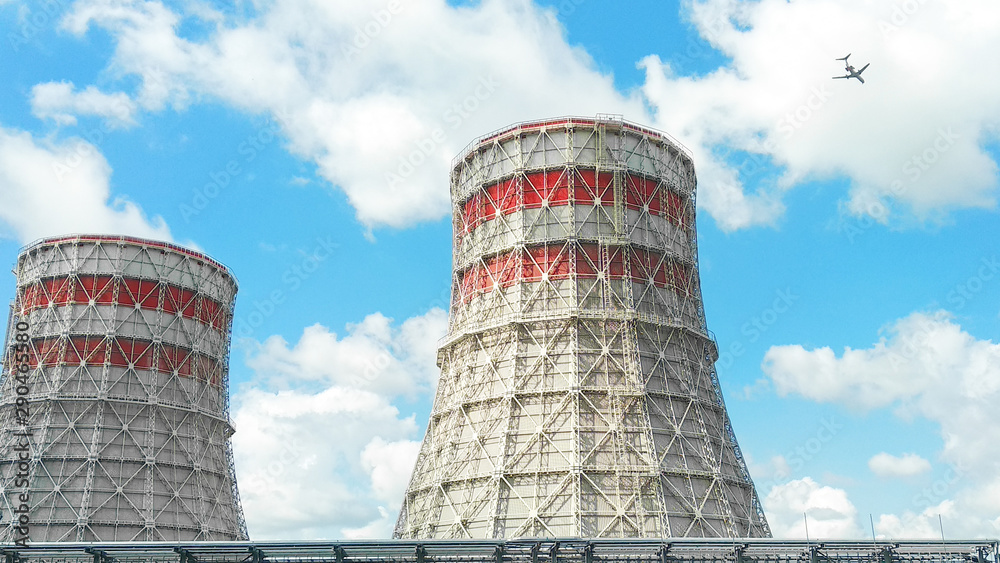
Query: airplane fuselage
[{"x": 851, "y": 72}]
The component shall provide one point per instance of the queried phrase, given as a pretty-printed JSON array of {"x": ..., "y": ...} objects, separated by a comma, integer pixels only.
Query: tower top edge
[
  {"x": 125, "y": 240},
  {"x": 566, "y": 122}
]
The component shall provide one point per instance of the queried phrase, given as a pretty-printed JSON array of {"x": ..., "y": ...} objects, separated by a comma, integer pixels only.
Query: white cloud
[
  {"x": 51, "y": 188},
  {"x": 389, "y": 476},
  {"x": 390, "y": 465},
  {"x": 829, "y": 512},
  {"x": 58, "y": 101},
  {"x": 924, "y": 365},
  {"x": 918, "y": 124},
  {"x": 910, "y": 525},
  {"x": 298, "y": 459},
  {"x": 373, "y": 355},
  {"x": 773, "y": 470},
  {"x": 321, "y": 450},
  {"x": 947, "y": 517},
  {"x": 907, "y": 465},
  {"x": 365, "y": 92}
]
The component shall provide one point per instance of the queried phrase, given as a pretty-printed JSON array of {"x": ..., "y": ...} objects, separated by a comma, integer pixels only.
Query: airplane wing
[
  {"x": 863, "y": 68},
  {"x": 848, "y": 76}
]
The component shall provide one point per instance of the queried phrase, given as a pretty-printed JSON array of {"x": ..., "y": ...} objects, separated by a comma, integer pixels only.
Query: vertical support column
[
  {"x": 738, "y": 554},
  {"x": 814, "y": 553},
  {"x": 663, "y": 553},
  {"x": 186, "y": 556},
  {"x": 100, "y": 556}
]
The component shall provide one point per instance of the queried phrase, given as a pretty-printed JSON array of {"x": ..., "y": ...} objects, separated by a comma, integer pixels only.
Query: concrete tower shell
[
  {"x": 578, "y": 395},
  {"x": 120, "y": 347}
]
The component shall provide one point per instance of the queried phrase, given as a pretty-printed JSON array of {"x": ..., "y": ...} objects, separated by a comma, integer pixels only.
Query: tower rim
[
  {"x": 568, "y": 120},
  {"x": 128, "y": 239}
]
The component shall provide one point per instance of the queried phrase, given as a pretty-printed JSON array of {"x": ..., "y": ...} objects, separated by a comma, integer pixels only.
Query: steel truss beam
[{"x": 568, "y": 550}]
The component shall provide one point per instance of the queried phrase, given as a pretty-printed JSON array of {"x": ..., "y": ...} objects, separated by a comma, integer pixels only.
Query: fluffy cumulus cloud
[
  {"x": 298, "y": 460},
  {"x": 322, "y": 449},
  {"x": 926, "y": 524},
  {"x": 58, "y": 101},
  {"x": 828, "y": 511},
  {"x": 925, "y": 366},
  {"x": 380, "y": 95},
  {"x": 907, "y": 465},
  {"x": 373, "y": 355},
  {"x": 913, "y": 134},
  {"x": 50, "y": 188}
]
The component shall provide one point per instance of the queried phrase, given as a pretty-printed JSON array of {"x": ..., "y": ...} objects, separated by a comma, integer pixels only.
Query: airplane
[{"x": 851, "y": 73}]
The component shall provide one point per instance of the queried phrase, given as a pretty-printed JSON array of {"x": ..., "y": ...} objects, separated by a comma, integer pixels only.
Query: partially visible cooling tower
[
  {"x": 578, "y": 395},
  {"x": 114, "y": 408}
]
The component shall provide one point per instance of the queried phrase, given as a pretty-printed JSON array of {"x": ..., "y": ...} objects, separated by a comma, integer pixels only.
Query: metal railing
[{"x": 667, "y": 550}]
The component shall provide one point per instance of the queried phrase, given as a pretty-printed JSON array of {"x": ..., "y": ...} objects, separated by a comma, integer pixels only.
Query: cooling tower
[
  {"x": 114, "y": 421},
  {"x": 578, "y": 395}
]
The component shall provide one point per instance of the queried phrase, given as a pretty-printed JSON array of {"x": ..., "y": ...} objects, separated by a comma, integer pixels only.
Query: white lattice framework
[
  {"x": 128, "y": 356},
  {"x": 578, "y": 395}
]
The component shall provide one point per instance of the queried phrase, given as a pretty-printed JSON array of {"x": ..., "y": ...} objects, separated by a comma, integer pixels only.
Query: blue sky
[{"x": 847, "y": 232}]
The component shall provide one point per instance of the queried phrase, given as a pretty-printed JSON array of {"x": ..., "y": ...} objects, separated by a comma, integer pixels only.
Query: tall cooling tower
[
  {"x": 578, "y": 395},
  {"x": 114, "y": 421}
]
